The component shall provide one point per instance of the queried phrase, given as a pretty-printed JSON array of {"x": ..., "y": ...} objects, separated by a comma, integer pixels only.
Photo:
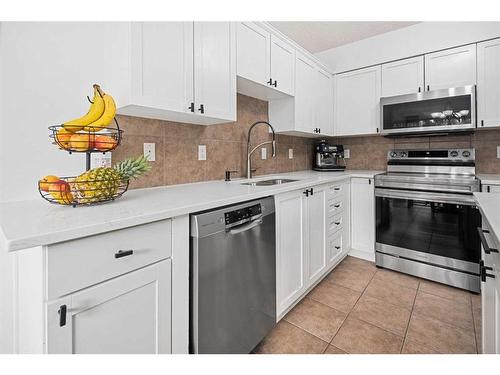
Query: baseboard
[{"x": 362, "y": 254}]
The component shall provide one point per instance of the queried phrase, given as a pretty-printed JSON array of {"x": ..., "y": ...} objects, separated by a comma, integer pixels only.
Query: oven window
[
  {"x": 448, "y": 230},
  {"x": 433, "y": 112}
]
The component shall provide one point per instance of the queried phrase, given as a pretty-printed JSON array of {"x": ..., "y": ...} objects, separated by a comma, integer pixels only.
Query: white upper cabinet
[
  {"x": 453, "y": 67},
  {"x": 323, "y": 90},
  {"x": 254, "y": 55},
  {"x": 357, "y": 99},
  {"x": 215, "y": 69},
  {"x": 183, "y": 71},
  {"x": 282, "y": 65},
  {"x": 488, "y": 83},
  {"x": 162, "y": 65},
  {"x": 403, "y": 77}
]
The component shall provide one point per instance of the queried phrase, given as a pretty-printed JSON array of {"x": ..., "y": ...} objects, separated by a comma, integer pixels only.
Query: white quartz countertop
[
  {"x": 489, "y": 205},
  {"x": 36, "y": 222},
  {"x": 489, "y": 179}
]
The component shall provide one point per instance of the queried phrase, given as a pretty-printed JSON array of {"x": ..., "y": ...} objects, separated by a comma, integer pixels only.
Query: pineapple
[{"x": 102, "y": 183}]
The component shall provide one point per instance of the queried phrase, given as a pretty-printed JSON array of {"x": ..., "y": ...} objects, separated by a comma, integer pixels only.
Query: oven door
[
  {"x": 433, "y": 228},
  {"x": 446, "y": 110}
]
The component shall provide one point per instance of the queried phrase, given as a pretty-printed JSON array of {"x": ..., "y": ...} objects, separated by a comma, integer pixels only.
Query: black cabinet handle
[
  {"x": 337, "y": 188},
  {"x": 486, "y": 247},
  {"x": 369, "y": 181},
  {"x": 191, "y": 107},
  {"x": 488, "y": 189},
  {"x": 419, "y": 89},
  {"x": 483, "y": 271},
  {"x": 275, "y": 84},
  {"x": 270, "y": 82},
  {"x": 337, "y": 247},
  {"x": 337, "y": 206},
  {"x": 482, "y": 122},
  {"x": 312, "y": 191},
  {"x": 428, "y": 88},
  {"x": 336, "y": 222},
  {"x": 377, "y": 130},
  {"x": 123, "y": 253},
  {"x": 62, "y": 315},
  {"x": 202, "y": 108},
  {"x": 306, "y": 193}
]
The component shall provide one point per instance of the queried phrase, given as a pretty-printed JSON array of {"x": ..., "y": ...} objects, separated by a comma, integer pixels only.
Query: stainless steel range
[{"x": 426, "y": 218}]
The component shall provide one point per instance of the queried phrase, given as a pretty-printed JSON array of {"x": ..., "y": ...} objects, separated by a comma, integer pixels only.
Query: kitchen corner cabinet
[
  {"x": 265, "y": 62},
  {"x": 363, "y": 218},
  {"x": 183, "y": 71},
  {"x": 453, "y": 67},
  {"x": 403, "y": 77},
  {"x": 357, "y": 102},
  {"x": 310, "y": 111},
  {"x": 488, "y": 83}
]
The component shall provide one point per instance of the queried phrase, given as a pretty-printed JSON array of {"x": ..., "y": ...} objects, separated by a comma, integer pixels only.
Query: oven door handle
[{"x": 425, "y": 196}]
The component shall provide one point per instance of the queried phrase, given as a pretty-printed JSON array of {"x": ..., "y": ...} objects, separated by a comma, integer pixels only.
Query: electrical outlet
[
  {"x": 347, "y": 153},
  {"x": 290, "y": 153},
  {"x": 498, "y": 152},
  {"x": 100, "y": 160},
  {"x": 202, "y": 152},
  {"x": 263, "y": 152},
  {"x": 149, "y": 151}
]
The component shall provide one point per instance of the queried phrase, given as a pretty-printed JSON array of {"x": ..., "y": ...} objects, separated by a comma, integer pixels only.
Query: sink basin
[{"x": 270, "y": 182}]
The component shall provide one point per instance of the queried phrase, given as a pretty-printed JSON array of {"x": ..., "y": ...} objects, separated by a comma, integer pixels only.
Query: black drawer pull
[
  {"x": 336, "y": 222},
  {"x": 486, "y": 247},
  {"x": 202, "y": 108},
  {"x": 483, "y": 273},
  {"x": 337, "y": 206},
  {"x": 62, "y": 315},
  {"x": 123, "y": 253},
  {"x": 337, "y": 188},
  {"x": 337, "y": 247}
]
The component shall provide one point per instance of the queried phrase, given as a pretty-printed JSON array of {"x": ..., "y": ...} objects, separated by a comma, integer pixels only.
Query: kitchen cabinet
[
  {"x": 488, "y": 83},
  {"x": 316, "y": 233},
  {"x": 310, "y": 111},
  {"x": 363, "y": 218},
  {"x": 490, "y": 188},
  {"x": 265, "y": 62},
  {"x": 183, "y": 71},
  {"x": 357, "y": 102},
  {"x": 452, "y": 67},
  {"x": 403, "y": 77},
  {"x": 127, "y": 315}
]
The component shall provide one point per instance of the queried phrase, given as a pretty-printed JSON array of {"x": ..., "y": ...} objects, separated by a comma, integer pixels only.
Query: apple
[
  {"x": 105, "y": 143},
  {"x": 47, "y": 181},
  {"x": 63, "y": 137}
]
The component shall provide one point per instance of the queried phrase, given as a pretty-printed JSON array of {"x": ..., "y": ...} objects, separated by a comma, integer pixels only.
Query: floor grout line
[
  {"x": 473, "y": 323},
  {"x": 409, "y": 319}
]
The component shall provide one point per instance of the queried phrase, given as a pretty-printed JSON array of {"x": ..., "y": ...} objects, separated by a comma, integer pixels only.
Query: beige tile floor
[{"x": 359, "y": 308}]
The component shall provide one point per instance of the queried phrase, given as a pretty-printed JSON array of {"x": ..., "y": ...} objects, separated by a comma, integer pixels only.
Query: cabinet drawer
[
  {"x": 335, "y": 223},
  {"x": 75, "y": 265},
  {"x": 334, "y": 244},
  {"x": 336, "y": 191},
  {"x": 335, "y": 206}
]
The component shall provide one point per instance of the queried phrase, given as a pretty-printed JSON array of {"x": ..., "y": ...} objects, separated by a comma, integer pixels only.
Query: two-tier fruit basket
[{"x": 97, "y": 131}]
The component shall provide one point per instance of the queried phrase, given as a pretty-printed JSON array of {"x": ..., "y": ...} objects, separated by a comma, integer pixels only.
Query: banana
[
  {"x": 95, "y": 112},
  {"x": 106, "y": 118}
]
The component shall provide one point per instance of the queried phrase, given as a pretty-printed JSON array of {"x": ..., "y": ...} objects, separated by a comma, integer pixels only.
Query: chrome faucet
[{"x": 249, "y": 153}]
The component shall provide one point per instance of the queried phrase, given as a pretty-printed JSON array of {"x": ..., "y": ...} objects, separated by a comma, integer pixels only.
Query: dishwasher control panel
[{"x": 242, "y": 215}]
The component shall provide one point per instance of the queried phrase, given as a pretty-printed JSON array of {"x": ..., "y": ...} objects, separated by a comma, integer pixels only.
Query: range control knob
[
  {"x": 453, "y": 154},
  {"x": 465, "y": 154},
  {"x": 393, "y": 154},
  {"x": 403, "y": 154}
]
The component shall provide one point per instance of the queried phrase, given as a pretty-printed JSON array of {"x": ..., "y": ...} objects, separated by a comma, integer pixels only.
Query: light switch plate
[
  {"x": 347, "y": 153},
  {"x": 263, "y": 152},
  {"x": 202, "y": 152},
  {"x": 100, "y": 160},
  {"x": 290, "y": 153},
  {"x": 498, "y": 152},
  {"x": 149, "y": 151}
]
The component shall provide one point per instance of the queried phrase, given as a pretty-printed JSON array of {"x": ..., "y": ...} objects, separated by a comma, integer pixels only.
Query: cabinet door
[
  {"x": 490, "y": 188},
  {"x": 127, "y": 315},
  {"x": 488, "y": 83},
  {"x": 403, "y": 77},
  {"x": 363, "y": 217},
  {"x": 304, "y": 95},
  {"x": 254, "y": 54},
  {"x": 282, "y": 65},
  {"x": 335, "y": 248},
  {"x": 290, "y": 255},
  {"x": 316, "y": 234},
  {"x": 324, "y": 102},
  {"x": 215, "y": 69},
  {"x": 162, "y": 65},
  {"x": 357, "y": 102},
  {"x": 451, "y": 68}
]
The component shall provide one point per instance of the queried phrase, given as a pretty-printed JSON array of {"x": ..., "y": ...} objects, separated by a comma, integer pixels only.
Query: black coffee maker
[{"x": 328, "y": 157}]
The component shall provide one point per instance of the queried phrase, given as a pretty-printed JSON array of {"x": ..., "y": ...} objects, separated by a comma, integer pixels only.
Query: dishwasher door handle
[{"x": 245, "y": 227}]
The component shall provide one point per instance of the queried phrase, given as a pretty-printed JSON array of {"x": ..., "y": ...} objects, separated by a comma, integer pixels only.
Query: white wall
[
  {"x": 46, "y": 71},
  {"x": 410, "y": 41}
]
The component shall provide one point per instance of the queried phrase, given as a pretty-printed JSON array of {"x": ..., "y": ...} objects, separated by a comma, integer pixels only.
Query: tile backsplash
[{"x": 177, "y": 147}]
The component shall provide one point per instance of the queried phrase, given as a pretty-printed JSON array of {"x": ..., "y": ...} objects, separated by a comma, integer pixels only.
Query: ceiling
[{"x": 320, "y": 36}]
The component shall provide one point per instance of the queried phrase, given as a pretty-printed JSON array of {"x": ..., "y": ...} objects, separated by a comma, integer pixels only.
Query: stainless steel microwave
[{"x": 446, "y": 110}]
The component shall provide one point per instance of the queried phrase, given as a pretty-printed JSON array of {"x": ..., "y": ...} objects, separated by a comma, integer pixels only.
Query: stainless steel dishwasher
[{"x": 232, "y": 277}]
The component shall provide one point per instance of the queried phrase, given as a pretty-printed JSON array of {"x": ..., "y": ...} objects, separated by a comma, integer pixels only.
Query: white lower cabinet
[
  {"x": 307, "y": 248},
  {"x": 363, "y": 218},
  {"x": 127, "y": 315},
  {"x": 490, "y": 188}
]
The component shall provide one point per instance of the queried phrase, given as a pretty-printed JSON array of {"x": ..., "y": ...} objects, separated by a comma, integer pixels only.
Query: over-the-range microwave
[{"x": 437, "y": 111}]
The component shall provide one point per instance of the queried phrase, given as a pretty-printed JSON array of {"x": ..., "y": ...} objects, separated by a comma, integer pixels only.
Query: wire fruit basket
[{"x": 73, "y": 191}]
